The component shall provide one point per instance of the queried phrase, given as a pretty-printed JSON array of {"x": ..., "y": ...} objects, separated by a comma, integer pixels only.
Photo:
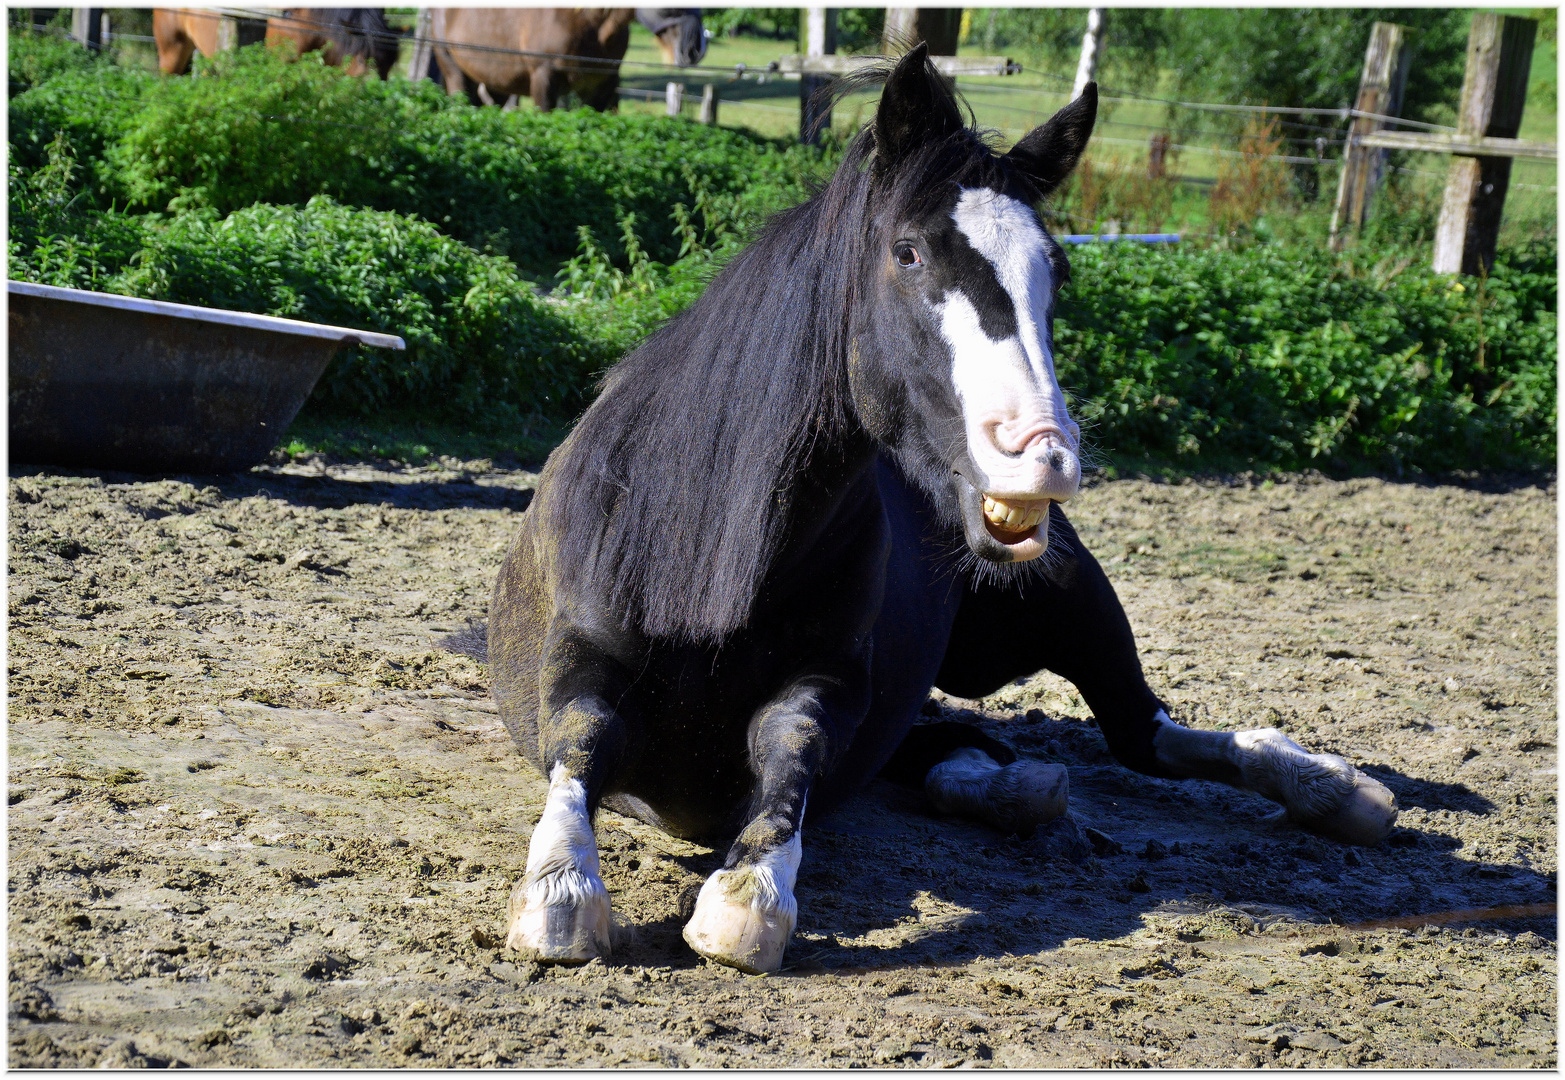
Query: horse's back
[{"x": 542, "y": 34}]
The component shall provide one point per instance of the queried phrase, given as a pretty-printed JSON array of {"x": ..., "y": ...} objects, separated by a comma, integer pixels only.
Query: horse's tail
[{"x": 472, "y": 640}]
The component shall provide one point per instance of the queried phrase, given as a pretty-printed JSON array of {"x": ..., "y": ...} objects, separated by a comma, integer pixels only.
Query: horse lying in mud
[
  {"x": 831, "y": 484},
  {"x": 490, "y": 54}
]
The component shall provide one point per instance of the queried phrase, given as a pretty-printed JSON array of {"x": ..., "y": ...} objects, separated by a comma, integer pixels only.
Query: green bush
[
  {"x": 352, "y": 211},
  {"x": 478, "y": 337},
  {"x": 34, "y": 57},
  {"x": 251, "y": 128},
  {"x": 1289, "y": 356}
]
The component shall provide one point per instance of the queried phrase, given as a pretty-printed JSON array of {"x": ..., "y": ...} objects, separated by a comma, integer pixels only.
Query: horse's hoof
[
  {"x": 1014, "y": 798},
  {"x": 1366, "y": 815},
  {"x": 569, "y": 931},
  {"x": 731, "y": 924}
]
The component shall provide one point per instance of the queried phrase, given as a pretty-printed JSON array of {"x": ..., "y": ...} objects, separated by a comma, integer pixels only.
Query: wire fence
[{"x": 1327, "y": 142}]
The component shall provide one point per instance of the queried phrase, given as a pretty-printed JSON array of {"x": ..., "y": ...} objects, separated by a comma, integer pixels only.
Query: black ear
[
  {"x": 916, "y": 108},
  {"x": 1048, "y": 153}
]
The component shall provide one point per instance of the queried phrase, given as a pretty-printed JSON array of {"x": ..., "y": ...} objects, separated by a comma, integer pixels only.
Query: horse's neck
[
  {"x": 613, "y": 20},
  {"x": 834, "y": 486}
]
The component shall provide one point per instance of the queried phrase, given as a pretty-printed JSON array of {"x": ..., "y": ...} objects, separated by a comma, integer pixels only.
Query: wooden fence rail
[
  {"x": 1494, "y": 90},
  {"x": 1474, "y": 145}
]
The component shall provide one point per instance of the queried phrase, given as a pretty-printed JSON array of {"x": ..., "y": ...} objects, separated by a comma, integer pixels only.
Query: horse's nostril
[{"x": 1056, "y": 459}]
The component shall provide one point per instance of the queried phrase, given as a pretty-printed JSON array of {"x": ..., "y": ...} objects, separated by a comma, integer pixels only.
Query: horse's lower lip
[{"x": 1009, "y": 539}]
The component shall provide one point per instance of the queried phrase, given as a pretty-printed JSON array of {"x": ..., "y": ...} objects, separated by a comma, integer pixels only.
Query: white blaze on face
[{"x": 1018, "y": 431}]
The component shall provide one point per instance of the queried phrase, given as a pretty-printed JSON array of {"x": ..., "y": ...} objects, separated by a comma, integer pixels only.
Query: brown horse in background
[
  {"x": 544, "y": 52},
  {"x": 180, "y": 33},
  {"x": 358, "y": 34}
]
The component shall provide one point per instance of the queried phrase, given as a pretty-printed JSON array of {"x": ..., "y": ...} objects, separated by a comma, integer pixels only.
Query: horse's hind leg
[
  {"x": 968, "y": 774},
  {"x": 559, "y": 912},
  {"x": 746, "y": 911},
  {"x": 1072, "y": 623}
]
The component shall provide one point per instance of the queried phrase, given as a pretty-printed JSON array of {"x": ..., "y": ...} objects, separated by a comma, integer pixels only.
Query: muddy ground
[{"x": 257, "y": 819}]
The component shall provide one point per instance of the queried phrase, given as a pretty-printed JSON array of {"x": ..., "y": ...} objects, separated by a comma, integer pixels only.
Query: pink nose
[{"x": 1018, "y": 438}]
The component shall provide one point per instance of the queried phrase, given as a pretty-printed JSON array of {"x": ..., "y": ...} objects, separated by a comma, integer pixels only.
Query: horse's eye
[{"x": 906, "y": 254}]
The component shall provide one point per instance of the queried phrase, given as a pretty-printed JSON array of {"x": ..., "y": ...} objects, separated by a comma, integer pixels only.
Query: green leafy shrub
[
  {"x": 250, "y": 128},
  {"x": 478, "y": 337},
  {"x": 1289, "y": 356},
  {"x": 34, "y": 57}
]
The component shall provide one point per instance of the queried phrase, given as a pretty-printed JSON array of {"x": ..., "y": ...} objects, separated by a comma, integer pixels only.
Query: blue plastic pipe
[{"x": 1145, "y": 238}]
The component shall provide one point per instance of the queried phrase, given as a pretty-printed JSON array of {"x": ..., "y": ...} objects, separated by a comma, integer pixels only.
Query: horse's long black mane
[{"x": 672, "y": 496}]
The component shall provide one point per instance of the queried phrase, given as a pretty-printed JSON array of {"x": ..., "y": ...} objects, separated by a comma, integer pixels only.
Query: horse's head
[
  {"x": 679, "y": 32},
  {"x": 953, "y": 361}
]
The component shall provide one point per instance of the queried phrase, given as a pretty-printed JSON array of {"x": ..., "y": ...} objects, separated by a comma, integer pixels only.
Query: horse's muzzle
[{"x": 1000, "y": 530}]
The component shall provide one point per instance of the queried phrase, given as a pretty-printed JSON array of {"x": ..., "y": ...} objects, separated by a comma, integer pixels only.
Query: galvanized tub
[{"x": 113, "y": 382}]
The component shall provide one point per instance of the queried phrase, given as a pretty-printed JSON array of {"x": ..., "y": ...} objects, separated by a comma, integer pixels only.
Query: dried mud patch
[{"x": 258, "y": 819}]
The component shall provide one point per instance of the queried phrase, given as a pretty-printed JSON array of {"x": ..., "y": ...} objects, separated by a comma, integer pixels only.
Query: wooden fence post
[
  {"x": 86, "y": 26},
  {"x": 1494, "y": 89},
  {"x": 674, "y": 98},
  {"x": 820, "y": 39},
  {"x": 939, "y": 28},
  {"x": 709, "y": 104},
  {"x": 227, "y": 33},
  {"x": 1157, "y": 156},
  {"x": 1386, "y": 63},
  {"x": 422, "y": 63}
]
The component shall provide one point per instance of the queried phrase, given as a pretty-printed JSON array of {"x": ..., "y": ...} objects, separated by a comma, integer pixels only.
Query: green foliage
[
  {"x": 1050, "y": 38},
  {"x": 478, "y": 337},
  {"x": 765, "y": 22},
  {"x": 292, "y": 190},
  {"x": 250, "y": 128},
  {"x": 1257, "y": 56},
  {"x": 1288, "y": 356},
  {"x": 1311, "y": 56},
  {"x": 35, "y": 57},
  {"x": 858, "y": 29}
]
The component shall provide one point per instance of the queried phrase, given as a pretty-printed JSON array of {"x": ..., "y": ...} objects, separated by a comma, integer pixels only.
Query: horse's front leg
[
  {"x": 746, "y": 911},
  {"x": 1319, "y": 792},
  {"x": 559, "y": 911},
  {"x": 1073, "y": 624},
  {"x": 1094, "y": 648}
]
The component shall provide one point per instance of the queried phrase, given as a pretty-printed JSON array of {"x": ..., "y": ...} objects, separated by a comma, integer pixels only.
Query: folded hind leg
[
  {"x": 559, "y": 911},
  {"x": 1071, "y": 622},
  {"x": 746, "y": 911},
  {"x": 967, "y": 774}
]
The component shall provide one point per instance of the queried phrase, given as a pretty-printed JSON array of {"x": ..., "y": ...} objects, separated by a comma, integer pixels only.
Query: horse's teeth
[{"x": 1015, "y": 517}]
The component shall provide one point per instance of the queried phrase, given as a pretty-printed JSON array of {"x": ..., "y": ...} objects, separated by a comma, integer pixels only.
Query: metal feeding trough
[{"x": 113, "y": 382}]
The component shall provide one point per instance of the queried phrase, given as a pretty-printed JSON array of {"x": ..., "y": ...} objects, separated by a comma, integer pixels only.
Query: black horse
[{"x": 829, "y": 485}]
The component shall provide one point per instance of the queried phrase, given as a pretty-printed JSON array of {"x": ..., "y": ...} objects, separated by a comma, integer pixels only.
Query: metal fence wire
[{"x": 1318, "y": 137}]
